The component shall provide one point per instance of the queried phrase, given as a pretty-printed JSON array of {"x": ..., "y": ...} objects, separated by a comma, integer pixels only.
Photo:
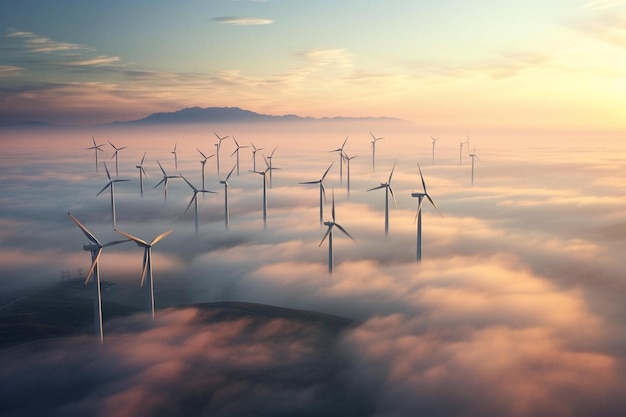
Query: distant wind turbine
[
  {"x": 203, "y": 162},
  {"x": 434, "y": 141},
  {"x": 237, "y": 152},
  {"x": 329, "y": 235},
  {"x": 473, "y": 155},
  {"x": 142, "y": 172},
  {"x": 117, "y": 150},
  {"x": 254, "y": 151},
  {"x": 461, "y": 143},
  {"x": 218, "y": 146},
  {"x": 226, "y": 188},
  {"x": 265, "y": 183},
  {"x": 418, "y": 215},
  {"x": 165, "y": 179},
  {"x": 271, "y": 168},
  {"x": 175, "y": 156},
  {"x": 96, "y": 250},
  {"x": 96, "y": 149},
  {"x": 147, "y": 263},
  {"x": 341, "y": 158},
  {"x": 194, "y": 199},
  {"x": 322, "y": 192},
  {"x": 348, "y": 159},
  {"x": 111, "y": 185},
  {"x": 388, "y": 190},
  {"x": 374, "y": 140}
]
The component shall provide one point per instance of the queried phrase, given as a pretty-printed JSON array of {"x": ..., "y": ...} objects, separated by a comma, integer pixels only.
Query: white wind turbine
[
  {"x": 117, "y": 172},
  {"x": 341, "y": 158},
  {"x": 265, "y": 183},
  {"x": 165, "y": 179},
  {"x": 226, "y": 188},
  {"x": 348, "y": 159},
  {"x": 473, "y": 155},
  {"x": 96, "y": 250},
  {"x": 271, "y": 168},
  {"x": 461, "y": 143},
  {"x": 434, "y": 141},
  {"x": 194, "y": 199},
  {"x": 203, "y": 162},
  {"x": 142, "y": 172},
  {"x": 147, "y": 263},
  {"x": 388, "y": 190},
  {"x": 236, "y": 151},
  {"x": 96, "y": 149},
  {"x": 322, "y": 192},
  {"x": 254, "y": 151},
  {"x": 329, "y": 235},
  {"x": 418, "y": 215},
  {"x": 374, "y": 140},
  {"x": 175, "y": 156},
  {"x": 111, "y": 185},
  {"x": 218, "y": 146}
]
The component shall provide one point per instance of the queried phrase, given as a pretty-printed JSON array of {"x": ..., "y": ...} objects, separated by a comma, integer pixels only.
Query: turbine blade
[
  {"x": 145, "y": 266},
  {"x": 105, "y": 187},
  {"x": 323, "y": 191},
  {"x": 107, "y": 170},
  {"x": 344, "y": 231},
  {"x": 162, "y": 170},
  {"x": 377, "y": 188},
  {"x": 93, "y": 266},
  {"x": 422, "y": 177},
  {"x": 133, "y": 238},
  {"x": 326, "y": 235},
  {"x": 87, "y": 233},
  {"x": 115, "y": 242},
  {"x": 327, "y": 169},
  {"x": 160, "y": 237},
  {"x": 272, "y": 154},
  {"x": 203, "y": 155},
  {"x": 434, "y": 205},
  {"x": 343, "y": 144},
  {"x": 310, "y": 182},
  {"x": 190, "y": 184},
  {"x": 391, "y": 174},
  {"x": 395, "y": 203},
  {"x": 160, "y": 182},
  {"x": 333, "y": 210},
  {"x": 195, "y": 195},
  {"x": 142, "y": 159}
]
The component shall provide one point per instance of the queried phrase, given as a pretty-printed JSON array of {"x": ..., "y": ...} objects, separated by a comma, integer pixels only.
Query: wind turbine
[
  {"x": 271, "y": 168},
  {"x": 218, "y": 146},
  {"x": 388, "y": 190},
  {"x": 329, "y": 235},
  {"x": 461, "y": 143},
  {"x": 341, "y": 157},
  {"x": 322, "y": 191},
  {"x": 147, "y": 263},
  {"x": 111, "y": 185},
  {"x": 203, "y": 162},
  {"x": 165, "y": 180},
  {"x": 237, "y": 152},
  {"x": 348, "y": 159},
  {"x": 96, "y": 148},
  {"x": 418, "y": 215},
  {"x": 226, "y": 188},
  {"x": 96, "y": 250},
  {"x": 254, "y": 151},
  {"x": 115, "y": 156},
  {"x": 374, "y": 140},
  {"x": 175, "y": 156},
  {"x": 265, "y": 183},
  {"x": 194, "y": 199},
  {"x": 473, "y": 156},
  {"x": 434, "y": 141},
  {"x": 142, "y": 172}
]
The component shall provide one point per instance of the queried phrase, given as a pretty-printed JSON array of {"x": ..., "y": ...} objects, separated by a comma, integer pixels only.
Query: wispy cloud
[
  {"x": 9, "y": 70},
  {"x": 243, "y": 21},
  {"x": 37, "y": 43},
  {"x": 99, "y": 60}
]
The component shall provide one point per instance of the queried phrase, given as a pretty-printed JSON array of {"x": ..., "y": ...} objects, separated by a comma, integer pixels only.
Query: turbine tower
[
  {"x": 96, "y": 250},
  {"x": 341, "y": 158},
  {"x": 226, "y": 188},
  {"x": 434, "y": 141},
  {"x": 164, "y": 181},
  {"x": 388, "y": 190},
  {"x": 348, "y": 159},
  {"x": 175, "y": 156},
  {"x": 418, "y": 215},
  {"x": 194, "y": 199},
  {"x": 269, "y": 158},
  {"x": 265, "y": 183},
  {"x": 329, "y": 235},
  {"x": 147, "y": 264},
  {"x": 374, "y": 140},
  {"x": 142, "y": 172},
  {"x": 203, "y": 162},
  {"x": 473, "y": 155},
  {"x": 461, "y": 143},
  {"x": 117, "y": 172},
  {"x": 111, "y": 185},
  {"x": 237, "y": 152},
  {"x": 322, "y": 191},
  {"x": 254, "y": 151},
  {"x": 218, "y": 146},
  {"x": 96, "y": 149}
]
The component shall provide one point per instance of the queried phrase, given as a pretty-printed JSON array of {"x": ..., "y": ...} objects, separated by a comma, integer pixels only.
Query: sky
[{"x": 485, "y": 64}]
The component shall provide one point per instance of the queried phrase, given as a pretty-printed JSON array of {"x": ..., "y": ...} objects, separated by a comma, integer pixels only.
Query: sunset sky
[{"x": 486, "y": 64}]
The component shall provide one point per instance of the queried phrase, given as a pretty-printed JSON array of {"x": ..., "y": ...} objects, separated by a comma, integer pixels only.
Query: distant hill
[{"x": 236, "y": 115}]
